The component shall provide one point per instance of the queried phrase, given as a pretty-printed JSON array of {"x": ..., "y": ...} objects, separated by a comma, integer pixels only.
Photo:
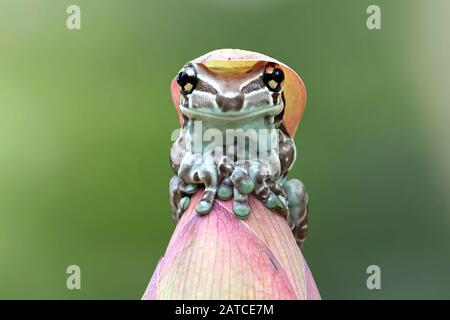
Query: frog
[{"x": 232, "y": 90}]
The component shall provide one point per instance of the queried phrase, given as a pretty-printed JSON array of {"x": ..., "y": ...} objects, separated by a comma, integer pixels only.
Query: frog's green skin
[{"x": 232, "y": 100}]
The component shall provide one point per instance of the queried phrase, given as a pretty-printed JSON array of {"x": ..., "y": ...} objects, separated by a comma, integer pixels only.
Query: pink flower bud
[{"x": 218, "y": 256}]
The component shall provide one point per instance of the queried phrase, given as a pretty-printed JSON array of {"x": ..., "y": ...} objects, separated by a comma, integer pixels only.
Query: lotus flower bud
[{"x": 218, "y": 256}]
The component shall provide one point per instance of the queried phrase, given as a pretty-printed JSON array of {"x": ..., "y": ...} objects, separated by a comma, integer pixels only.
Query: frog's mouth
[{"x": 232, "y": 115}]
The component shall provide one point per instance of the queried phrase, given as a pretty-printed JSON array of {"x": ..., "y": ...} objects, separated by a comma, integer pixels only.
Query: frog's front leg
[
  {"x": 265, "y": 173},
  {"x": 197, "y": 168}
]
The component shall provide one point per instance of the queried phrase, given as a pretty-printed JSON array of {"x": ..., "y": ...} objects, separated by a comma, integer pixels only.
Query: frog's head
[
  {"x": 235, "y": 84},
  {"x": 222, "y": 92}
]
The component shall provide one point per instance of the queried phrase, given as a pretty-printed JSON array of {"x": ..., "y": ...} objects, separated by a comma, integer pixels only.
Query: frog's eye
[
  {"x": 273, "y": 78},
  {"x": 187, "y": 79}
]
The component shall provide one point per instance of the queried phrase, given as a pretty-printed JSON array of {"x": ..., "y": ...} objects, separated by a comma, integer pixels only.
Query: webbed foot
[{"x": 206, "y": 203}]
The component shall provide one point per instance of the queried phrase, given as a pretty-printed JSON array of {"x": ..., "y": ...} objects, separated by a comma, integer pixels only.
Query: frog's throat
[{"x": 231, "y": 116}]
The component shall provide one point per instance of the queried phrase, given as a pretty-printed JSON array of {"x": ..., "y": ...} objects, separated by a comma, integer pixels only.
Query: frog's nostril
[{"x": 230, "y": 103}]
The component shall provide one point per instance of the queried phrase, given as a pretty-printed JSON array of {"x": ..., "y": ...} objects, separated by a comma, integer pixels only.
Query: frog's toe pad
[
  {"x": 242, "y": 181},
  {"x": 190, "y": 188},
  {"x": 203, "y": 207},
  {"x": 184, "y": 203},
  {"x": 241, "y": 210},
  {"x": 276, "y": 202},
  {"x": 225, "y": 191},
  {"x": 246, "y": 186}
]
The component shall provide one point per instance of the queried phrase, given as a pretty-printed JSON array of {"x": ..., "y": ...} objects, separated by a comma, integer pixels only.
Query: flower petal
[{"x": 218, "y": 256}]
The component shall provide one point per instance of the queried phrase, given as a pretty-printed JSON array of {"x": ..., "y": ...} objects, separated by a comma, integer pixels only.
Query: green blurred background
[{"x": 86, "y": 119}]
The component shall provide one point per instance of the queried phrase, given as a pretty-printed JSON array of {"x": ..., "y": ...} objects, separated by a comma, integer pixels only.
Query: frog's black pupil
[
  {"x": 278, "y": 75},
  {"x": 275, "y": 77},
  {"x": 185, "y": 78}
]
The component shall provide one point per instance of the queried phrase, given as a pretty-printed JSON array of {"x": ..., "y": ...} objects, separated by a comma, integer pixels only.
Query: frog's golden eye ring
[
  {"x": 187, "y": 79},
  {"x": 273, "y": 78}
]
